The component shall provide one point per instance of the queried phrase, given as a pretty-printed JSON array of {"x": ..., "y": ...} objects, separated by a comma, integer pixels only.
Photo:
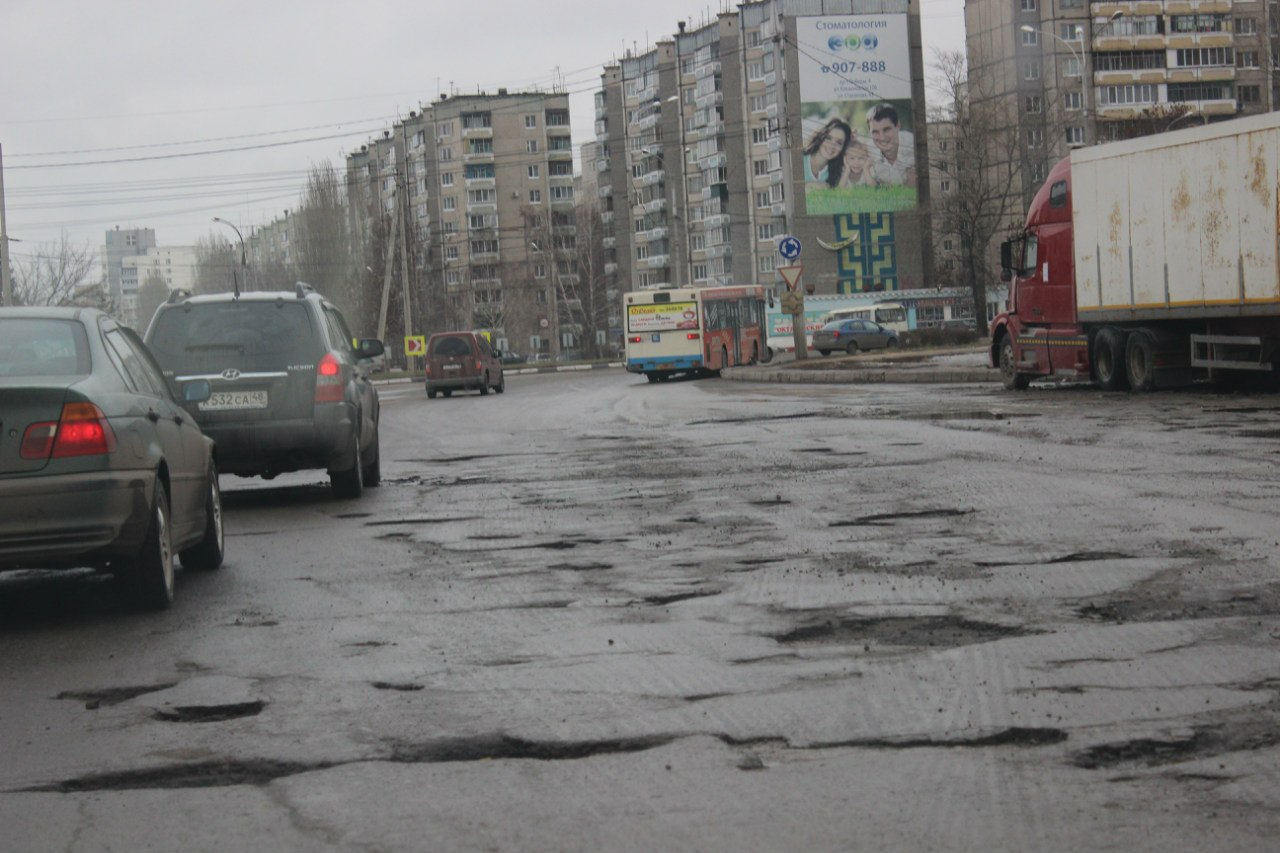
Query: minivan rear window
[
  {"x": 193, "y": 334},
  {"x": 451, "y": 347}
]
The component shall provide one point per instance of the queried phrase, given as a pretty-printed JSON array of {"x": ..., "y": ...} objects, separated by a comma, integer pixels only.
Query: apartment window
[
  {"x": 1071, "y": 32},
  {"x": 540, "y": 271},
  {"x": 474, "y": 121},
  {"x": 759, "y": 135},
  {"x": 1072, "y": 100},
  {"x": 477, "y": 221},
  {"x": 557, "y": 118},
  {"x": 699, "y": 272},
  {"x": 1028, "y": 5},
  {"x": 767, "y": 263},
  {"x": 562, "y": 193},
  {"x": 755, "y": 70},
  {"x": 479, "y": 170},
  {"x": 559, "y": 143},
  {"x": 1129, "y": 60},
  {"x": 1145, "y": 25},
  {"x": 1203, "y": 56},
  {"x": 444, "y": 128},
  {"x": 1180, "y": 92},
  {"x": 447, "y": 228},
  {"x": 531, "y": 120},
  {"x": 1075, "y": 136},
  {"x": 453, "y": 278},
  {"x": 484, "y": 247},
  {"x": 944, "y": 186},
  {"x": 560, "y": 170},
  {"x": 764, "y": 232},
  {"x": 762, "y": 199},
  {"x": 1071, "y": 67},
  {"x": 1249, "y": 94},
  {"x": 449, "y": 203},
  {"x": 487, "y": 196},
  {"x": 759, "y": 103},
  {"x": 1035, "y": 137},
  {"x": 446, "y": 153},
  {"x": 759, "y": 168},
  {"x": 775, "y": 193},
  {"x": 1031, "y": 69},
  {"x": 1134, "y": 93},
  {"x": 450, "y": 253},
  {"x": 1246, "y": 59},
  {"x": 1034, "y": 104},
  {"x": 697, "y": 242},
  {"x": 531, "y": 146},
  {"x": 1245, "y": 26},
  {"x": 535, "y": 196},
  {"x": 1030, "y": 38},
  {"x": 1205, "y": 23},
  {"x": 534, "y": 173},
  {"x": 480, "y": 146}
]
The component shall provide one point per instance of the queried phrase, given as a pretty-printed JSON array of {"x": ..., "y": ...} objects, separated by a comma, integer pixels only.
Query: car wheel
[
  {"x": 484, "y": 385},
  {"x": 349, "y": 483},
  {"x": 892, "y": 343},
  {"x": 151, "y": 577},
  {"x": 373, "y": 469},
  {"x": 448, "y": 392},
  {"x": 824, "y": 352},
  {"x": 431, "y": 393},
  {"x": 206, "y": 555},
  {"x": 852, "y": 348},
  {"x": 502, "y": 382}
]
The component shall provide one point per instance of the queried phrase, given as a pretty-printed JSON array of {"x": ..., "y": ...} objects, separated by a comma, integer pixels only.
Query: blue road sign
[{"x": 789, "y": 248}]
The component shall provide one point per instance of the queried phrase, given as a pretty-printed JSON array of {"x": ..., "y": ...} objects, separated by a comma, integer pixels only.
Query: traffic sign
[
  {"x": 789, "y": 248},
  {"x": 791, "y": 275},
  {"x": 415, "y": 345}
]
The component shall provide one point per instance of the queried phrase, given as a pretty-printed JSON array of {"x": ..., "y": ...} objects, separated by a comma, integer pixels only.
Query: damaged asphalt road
[{"x": 594, "y": 613}]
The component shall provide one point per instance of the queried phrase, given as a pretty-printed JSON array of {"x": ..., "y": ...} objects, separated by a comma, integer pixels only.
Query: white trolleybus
[{"x": 695, "y": 330}]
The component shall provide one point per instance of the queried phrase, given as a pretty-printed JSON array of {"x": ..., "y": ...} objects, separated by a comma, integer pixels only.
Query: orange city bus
[{"x": 695, "y": 330}]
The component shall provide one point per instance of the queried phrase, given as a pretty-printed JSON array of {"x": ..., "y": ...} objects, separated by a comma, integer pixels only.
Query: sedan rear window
[{"x": 31, "y": 346}]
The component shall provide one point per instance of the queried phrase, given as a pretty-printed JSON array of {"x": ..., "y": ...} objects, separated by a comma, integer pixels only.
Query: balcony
[
  {"x": 659, "y": 233},
  {"x": 711, "y": 99},
  {"x": 715, "y": 221},
  {"x": 602, "y": 165},
  {"x": 477, "y": 157},
  {"x": 706, "y": 69},
  {"x": 654, "y": 262},
  {"x": 480, "y": 183},
  {"x": 606, "y": 216},
  {"x": 482, "y": 207},
  {"x": 712, "y": 161},
  {"x": 1191, "y": 75},
  {"x": 560, "y": 154},
  {"x": 477, "y": 133},
  {"x": 648, "y": 179},
  {"x": 605, "y": 191},
  {"x": 610, "y": 268},
  {"x": 779, "y": 209},
  {"x": 643, "y": 123},
  {"x": 609, "y": 242},
  {"x": 655, "y": 205},
  {"x": 721, "y": 251}
]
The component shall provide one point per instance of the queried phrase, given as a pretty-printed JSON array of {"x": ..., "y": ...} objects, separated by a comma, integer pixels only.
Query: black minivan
[{"x": 290, "y": 389}]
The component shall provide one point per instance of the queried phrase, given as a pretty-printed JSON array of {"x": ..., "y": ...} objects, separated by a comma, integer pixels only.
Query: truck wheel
[
  {"x": 1009, "y": 375},
  {"x": 1108, "y": 359},
  {"x": 1139, "y": 360}
]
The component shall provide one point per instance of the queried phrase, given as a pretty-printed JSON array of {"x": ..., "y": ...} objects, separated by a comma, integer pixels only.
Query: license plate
[
  {"x": 221, "y": 401},
  {"x": 453, "y": 367}
]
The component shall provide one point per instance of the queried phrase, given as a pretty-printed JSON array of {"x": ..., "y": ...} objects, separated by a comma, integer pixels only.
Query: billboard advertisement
[
  {"x": 858, "y": 137},
  {"x": 664, "y": 317}
]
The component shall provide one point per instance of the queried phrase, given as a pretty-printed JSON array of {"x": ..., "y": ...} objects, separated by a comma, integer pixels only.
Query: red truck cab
[{"x": 1039, "y": 333}]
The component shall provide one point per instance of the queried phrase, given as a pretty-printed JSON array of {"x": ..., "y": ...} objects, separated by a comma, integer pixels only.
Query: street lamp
[{"x": 244, "y": 261}]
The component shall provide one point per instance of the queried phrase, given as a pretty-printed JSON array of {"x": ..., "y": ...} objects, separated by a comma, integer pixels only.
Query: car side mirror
[
  {"x": 196, "y": 391},
  {"x": 1006, "y": 275},
  {"x": 369, "y": 348}
]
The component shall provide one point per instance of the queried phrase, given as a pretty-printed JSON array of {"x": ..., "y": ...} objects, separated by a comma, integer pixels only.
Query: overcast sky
[{"x": 105, "y": 103}]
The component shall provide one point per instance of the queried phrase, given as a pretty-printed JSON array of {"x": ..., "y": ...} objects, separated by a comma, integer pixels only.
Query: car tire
[
  {"x": 824, "y": 352},
  {"x": 502, "y": 383},
  {"x": 349, "y": 483},
  {"x": 484, "y": 385},
  {"x": 431, "y": 393},
  {"x": 151, "y": 577},
  {"x": 892, "y": 343},
  {"x": 373, "y": 469},
  {"x": 851, "y": 348},
  {"x": 206, "y": 555},
  {"x": 448, "y": 392}
]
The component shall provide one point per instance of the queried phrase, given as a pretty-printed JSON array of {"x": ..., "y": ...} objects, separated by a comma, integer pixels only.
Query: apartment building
[
  {"x": 703, "y": 142},
  {"x": 1083, "y": 72},
  {"x": 118, "y": 244},
  {"x": 481, "y": 189}
]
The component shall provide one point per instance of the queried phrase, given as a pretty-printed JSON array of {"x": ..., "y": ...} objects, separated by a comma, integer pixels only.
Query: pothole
[
  {"x": 401, "y": 686},
  {"x": 109, "y": 696},
  {"x": 660, "y": 600},
  {"x": 918, "y": 631},
  {"x": 888, "y": 517},
  {"x": 210, "y": 713},
  {"x": 1166, "y": 604}
]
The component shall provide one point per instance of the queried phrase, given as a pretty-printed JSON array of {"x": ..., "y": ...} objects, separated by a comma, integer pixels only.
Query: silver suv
[{"x": 290, "y": 389}]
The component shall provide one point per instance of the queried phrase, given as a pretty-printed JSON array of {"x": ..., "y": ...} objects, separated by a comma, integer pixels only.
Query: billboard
[
  {"x": 662, "y": 317},
  {"x": 858, "y": 135}
]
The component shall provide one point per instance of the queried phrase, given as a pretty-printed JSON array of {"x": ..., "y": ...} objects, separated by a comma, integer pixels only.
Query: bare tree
[
  {"x": 53, "y": 274},
  {"x": 985, "y": 166},
  {"x": 218, "y": 267},
  {"x": 151, "y": 295},
  {"x": 325, "y": 256}
]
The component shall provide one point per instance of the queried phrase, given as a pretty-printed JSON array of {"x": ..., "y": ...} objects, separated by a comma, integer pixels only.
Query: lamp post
[{"x": 244, "y": 260}]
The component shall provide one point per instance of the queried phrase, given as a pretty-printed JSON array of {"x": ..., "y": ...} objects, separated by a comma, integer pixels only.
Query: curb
[{"x": 893, "y": 375}]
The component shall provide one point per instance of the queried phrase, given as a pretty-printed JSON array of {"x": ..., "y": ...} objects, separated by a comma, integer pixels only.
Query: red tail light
[
  {"x": 693, "y": 336},
  {"x": 329, "y": 385},
  {"x": 81, "y": 430},
  {"x": 635, "y": 339}
]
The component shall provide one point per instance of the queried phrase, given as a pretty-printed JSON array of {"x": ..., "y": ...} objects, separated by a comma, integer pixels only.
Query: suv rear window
[
  {"x": 195, "y": 336},
  {"x": 451, "y": 347}
]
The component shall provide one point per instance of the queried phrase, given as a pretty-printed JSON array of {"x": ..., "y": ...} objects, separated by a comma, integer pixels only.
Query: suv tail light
[
  {"x": 329, "y": 385},
  {"x": 81, "y": 430}
]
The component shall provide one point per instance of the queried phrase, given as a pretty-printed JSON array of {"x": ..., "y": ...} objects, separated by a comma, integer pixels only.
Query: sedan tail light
[
  {"x": 81, "y": 430},
  {"x": 329, "y": 385}
]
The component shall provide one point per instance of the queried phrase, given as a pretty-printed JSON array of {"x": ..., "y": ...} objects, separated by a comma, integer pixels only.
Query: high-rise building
[
  {"x": 481, "y": 190},
  {"x": 118, "y": 245},
  {"x": 712, "y": 150},
  {"x": 1080, "y": 73}
]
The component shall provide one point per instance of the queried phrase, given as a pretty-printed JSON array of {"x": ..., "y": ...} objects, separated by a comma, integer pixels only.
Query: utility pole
[
  {"x": 402, "y": 184},
  {"x": 6, "y": 291}
]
